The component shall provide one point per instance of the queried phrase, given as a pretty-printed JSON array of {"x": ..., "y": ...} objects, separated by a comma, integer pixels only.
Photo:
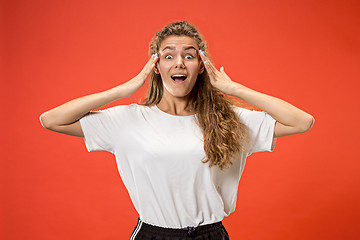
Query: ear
[
  {"x": 156, "y": 69},
  {"x": 202, "y": 68}
]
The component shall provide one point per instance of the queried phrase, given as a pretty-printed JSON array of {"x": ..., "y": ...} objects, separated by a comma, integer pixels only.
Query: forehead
[{"x": 178, "y": 42}]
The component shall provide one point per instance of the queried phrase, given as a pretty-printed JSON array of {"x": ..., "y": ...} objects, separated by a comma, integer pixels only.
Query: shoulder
[
  {"x": 251, "y": 116},
  {"x": 115, "y": 115},
  {"x": 131, "y": 108},
  {"x": 243, "y": 112}
]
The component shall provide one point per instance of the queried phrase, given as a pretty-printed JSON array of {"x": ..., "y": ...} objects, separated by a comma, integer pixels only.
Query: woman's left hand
[{"x": 218, "y": 79}]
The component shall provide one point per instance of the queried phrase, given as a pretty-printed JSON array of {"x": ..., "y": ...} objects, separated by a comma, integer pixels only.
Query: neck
[{"x": 174, "y": 105}]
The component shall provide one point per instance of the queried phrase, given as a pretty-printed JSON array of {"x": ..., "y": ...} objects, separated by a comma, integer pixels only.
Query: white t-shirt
[{"x": 159, "y": 155}]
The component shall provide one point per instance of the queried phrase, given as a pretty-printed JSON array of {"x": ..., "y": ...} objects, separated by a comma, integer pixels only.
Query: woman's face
[{"x": 179, "y": 65}]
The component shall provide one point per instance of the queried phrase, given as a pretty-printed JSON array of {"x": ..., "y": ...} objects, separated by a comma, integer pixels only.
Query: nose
[{"x": 179, "y": 62}]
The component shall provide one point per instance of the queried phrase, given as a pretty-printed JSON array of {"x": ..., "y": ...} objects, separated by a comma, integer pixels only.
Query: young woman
[{"x": 182, "y": 151}]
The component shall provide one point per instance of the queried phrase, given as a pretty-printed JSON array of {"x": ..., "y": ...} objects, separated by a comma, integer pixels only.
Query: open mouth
[{"x": 178, "y": 77}]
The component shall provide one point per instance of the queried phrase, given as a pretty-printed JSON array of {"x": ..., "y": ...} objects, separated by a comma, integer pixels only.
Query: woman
[{"x": 182, "y": 152}]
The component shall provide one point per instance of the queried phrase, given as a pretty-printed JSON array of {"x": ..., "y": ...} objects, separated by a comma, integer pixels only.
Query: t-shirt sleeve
[
  {"x": 98, "y": 129},
  {"x": 261, "y": 127}
]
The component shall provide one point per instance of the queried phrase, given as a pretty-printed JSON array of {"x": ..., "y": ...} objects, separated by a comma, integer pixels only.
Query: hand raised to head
[
  {"x": 218, "y": 79},
  {"x": 149, "y": 66},
  {"x": 135, "y": 83}
]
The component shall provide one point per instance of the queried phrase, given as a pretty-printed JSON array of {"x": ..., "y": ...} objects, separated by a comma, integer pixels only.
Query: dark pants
[{"x": 214, "y": 231}]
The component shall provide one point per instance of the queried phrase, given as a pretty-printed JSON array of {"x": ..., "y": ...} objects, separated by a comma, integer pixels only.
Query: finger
[
  {"x": 211, "y": 68},
  {"x": 203, "y": 59},
  {"x": 152, "y": 61},
  {"x": 202, "y": 55},
  {"x": 154, "y": 58},
  {"x": 207, "y": 62},
  {"x": 149, "y": 66},
  {"x": 223, "y": 71},
  {"x": 210, "y": 64}
]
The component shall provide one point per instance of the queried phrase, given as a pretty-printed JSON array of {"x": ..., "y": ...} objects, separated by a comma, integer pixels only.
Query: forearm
[
  {"x": 65, "y": 118},
  {"x": 73, "y": 110},
  {"x": 280, "y": 110}
]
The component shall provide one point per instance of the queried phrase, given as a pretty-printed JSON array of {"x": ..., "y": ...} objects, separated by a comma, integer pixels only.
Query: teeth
[{"x": 178, "y": 77}]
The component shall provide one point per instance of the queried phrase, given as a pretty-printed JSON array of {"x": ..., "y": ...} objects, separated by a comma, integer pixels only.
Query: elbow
[
  {"x": 45, "y": 121},
  {"x": 307, "y": 123}
]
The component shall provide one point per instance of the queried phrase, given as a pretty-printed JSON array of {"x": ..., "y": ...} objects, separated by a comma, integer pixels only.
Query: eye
[
  {"x": 168, "y": 57},
  {"x": 189, "y": 56}
]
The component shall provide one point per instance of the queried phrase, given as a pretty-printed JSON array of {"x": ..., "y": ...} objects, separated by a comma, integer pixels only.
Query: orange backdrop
[{"x": 305, "y": 52}]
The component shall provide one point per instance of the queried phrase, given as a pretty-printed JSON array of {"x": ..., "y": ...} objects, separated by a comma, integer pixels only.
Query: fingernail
[
  {"x": 152, "y": 64},
  {"x": 222, "y": 68},
  {"x": 205, "y": 62},
  {"x": 202, "y": 52}
]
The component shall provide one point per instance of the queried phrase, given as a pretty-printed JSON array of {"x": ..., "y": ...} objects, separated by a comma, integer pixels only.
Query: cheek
[
  {"x": 163, "y": 68},
  {"x": 194, "y": 67}
]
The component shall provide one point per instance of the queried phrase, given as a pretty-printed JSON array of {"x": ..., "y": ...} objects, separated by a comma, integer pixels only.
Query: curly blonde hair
[{"x": 224, "y": 134}]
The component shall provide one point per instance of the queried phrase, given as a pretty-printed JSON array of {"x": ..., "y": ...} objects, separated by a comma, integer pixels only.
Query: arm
[
  {"x": 289, "y": 119},
  {"x": 65, "y": 118}
]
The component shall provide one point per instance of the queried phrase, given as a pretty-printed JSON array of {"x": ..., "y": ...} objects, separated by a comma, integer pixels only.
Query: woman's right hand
[
  {"x": 134, "y": 84},
  {"x": 65, "y": 118}
]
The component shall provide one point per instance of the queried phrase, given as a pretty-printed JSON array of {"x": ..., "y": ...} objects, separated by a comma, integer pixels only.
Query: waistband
[{"x": 181, "y": 232}]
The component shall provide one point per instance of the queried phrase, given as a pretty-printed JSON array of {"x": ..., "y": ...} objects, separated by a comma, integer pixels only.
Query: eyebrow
[{"x": 173, "y": 48}]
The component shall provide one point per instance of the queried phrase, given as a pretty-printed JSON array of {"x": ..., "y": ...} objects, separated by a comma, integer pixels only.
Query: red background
[{"x": 305, "y": 52}]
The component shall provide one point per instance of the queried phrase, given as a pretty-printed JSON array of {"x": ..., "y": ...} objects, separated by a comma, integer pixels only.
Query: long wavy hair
[{"x": 224, "y": 134}]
